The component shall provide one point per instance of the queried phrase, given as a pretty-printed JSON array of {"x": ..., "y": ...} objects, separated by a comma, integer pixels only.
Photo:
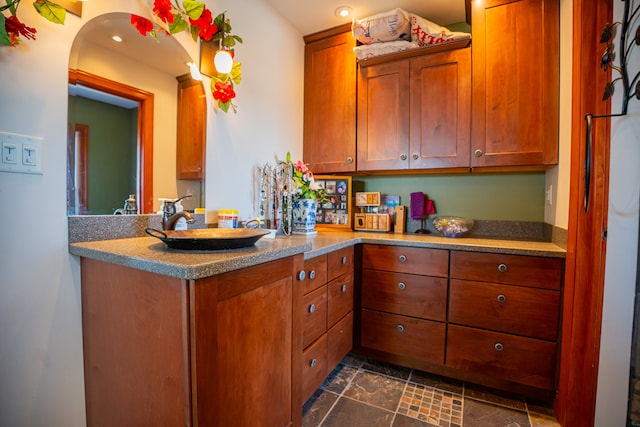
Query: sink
[{"x": 208, "y": 239}]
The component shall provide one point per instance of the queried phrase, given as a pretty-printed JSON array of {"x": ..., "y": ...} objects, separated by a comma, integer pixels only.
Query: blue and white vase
[{"x": 304, "y": 216}]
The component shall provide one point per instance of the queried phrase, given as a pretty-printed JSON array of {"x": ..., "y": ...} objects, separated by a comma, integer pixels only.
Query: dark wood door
[
  {"x": 191, "y": 133},
  {"x": 330, "y": 101},
  {"x": 515, "y": 83}
]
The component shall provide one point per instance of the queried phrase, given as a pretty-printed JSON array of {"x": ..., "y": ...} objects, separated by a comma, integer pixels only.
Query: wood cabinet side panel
[{"x": 135, "y": 337}]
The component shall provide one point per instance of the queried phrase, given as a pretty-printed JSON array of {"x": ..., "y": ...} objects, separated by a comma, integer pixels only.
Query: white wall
[
  {"x": 41, "y": 372},
  {"x": 558, "y": 178},
  {"x": 621, "y": 261}
]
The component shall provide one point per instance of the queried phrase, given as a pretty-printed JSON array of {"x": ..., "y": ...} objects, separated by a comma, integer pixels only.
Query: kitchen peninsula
[{"x": 216, "y": 338}]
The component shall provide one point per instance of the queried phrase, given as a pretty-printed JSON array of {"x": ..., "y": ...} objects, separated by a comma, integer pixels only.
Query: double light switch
[{"x": 21, "y": 153}]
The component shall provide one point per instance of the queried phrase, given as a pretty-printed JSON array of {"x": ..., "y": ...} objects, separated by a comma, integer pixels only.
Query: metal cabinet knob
[
  {"x": 302, "y": 275},
  {"x": 478, "y": 153},
  {"x": 344, "y": 288},
  {"x": 344, "y": 259},
  {"x": 403, "y": 156},
  {"x": 401, "y": 285},
  {"x": 349, "y": 159},
  {"x": 502, "y": 268},
  {"x": 400, "y": 328},
  {"x": 312, "y": 308},
  {"x": 312, "y": 274},
  {"x": 415, "y": 156},
  {"x": 313, "y": 362},
  {"x": 402, "y": 258},
  {"x": 501, "y": 298},
  {"x": 499, "y": 346}
]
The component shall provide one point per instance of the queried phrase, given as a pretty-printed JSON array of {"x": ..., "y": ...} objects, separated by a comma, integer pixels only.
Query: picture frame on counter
[{"x": 336, "y": 214}]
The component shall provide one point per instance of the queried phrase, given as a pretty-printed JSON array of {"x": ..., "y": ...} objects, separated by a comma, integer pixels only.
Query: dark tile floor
[{"x": 361, "y": 392}]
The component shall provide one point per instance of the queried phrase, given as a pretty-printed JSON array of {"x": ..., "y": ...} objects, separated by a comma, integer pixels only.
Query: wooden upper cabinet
[
  {"x": 192, "y": 127},
  {"x": 515, "y": 83},
  {"x": 415, "y": 113},
  {"x": 330, "y": 101}
]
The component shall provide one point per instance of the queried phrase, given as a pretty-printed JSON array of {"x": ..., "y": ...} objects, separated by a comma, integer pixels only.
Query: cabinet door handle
[
  {"x": 349, "y": 159},
  {"x": 502, "y": 268},
  {"x": 400, "y": 328},
  {"x": 501, "y": 298},
  {"x": 478, "y": 153},
  {"x": 312, "y": 274},
  {"x": 401, "y": 286},
  {"x": 415, "y": 156},
  {"x": 312, "y": 308},
  {"x": 313, "y": 363},
  {"x": 344, "y": 259},
  {"x": 499, "y": 346},
  {"x": 403, "y": 156},
  {"x": 403, "y": 258},
  {"x": 344, "y": 288},
  {"x": 302, "y": 275}
]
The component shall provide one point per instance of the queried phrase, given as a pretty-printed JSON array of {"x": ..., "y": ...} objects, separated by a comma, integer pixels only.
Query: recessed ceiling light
[
  {"x": 343, "y": 11},
  {"x": 117, "y": 39}
]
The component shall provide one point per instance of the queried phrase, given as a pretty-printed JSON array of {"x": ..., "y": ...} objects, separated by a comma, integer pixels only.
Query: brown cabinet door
[
  {"x": 330, "y": 103},
  {"x": 416, "y": 339},
  {"x": 314, "y": 368},
  {"x": 402, "y": 259},
  {"x": 340, "y": 292},
  {"x": 383, "y": 116},
  {"x": 407, "y": 294},
  {"x": 509, "y": 357},
  {"x": 515, "y": 83},
  {"x": 315, "y": 315},
  {"x": 506, "y": 308},
  {"x": 340, "y": 262},
  {"x": 315, "y": 273},
  {"x": 537, "y": 272},
  {"x": 441, "y": 110},
  {"x": 340, "y": 338},
  {"x": 191, "y": 137}
]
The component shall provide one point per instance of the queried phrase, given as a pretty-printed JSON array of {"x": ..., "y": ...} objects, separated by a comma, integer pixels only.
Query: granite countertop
[{"x": 149, "y": 254}]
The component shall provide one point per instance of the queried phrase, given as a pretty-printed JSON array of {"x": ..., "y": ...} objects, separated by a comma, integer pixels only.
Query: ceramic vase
[{"x": 304, "y": 216}]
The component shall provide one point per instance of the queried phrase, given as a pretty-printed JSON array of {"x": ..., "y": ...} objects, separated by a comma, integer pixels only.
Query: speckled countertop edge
[{"x": 148, "y": 254}]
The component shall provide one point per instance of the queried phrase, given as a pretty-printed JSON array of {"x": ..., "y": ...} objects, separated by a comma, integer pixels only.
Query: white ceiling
[{"x": 310, "y": 16}]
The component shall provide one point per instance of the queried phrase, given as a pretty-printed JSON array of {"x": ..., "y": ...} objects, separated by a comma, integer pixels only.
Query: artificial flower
[
  {"x": 223, "y": 92},
  {"x": 305, "y": 186},
  {"x": 143, "y": 25},
  {"x": 15, "y": 29},
  {"x": 163, "y": 10},
  {"x": 207, "y": 29}
]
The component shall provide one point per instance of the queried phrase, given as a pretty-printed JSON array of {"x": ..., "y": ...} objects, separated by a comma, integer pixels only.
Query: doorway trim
[{"x": 145, "y": 127}]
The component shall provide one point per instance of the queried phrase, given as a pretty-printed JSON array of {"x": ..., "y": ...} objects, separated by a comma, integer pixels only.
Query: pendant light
[{"x": 223, "y": 61}]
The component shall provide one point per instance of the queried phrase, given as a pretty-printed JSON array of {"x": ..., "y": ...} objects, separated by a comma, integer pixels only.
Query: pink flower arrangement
[{"x": 305, "y": 185}]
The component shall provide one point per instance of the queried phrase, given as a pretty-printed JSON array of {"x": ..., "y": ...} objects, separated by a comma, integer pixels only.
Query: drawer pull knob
[
  {"x": 344, "y": 288},
  {"x": 501, "y": 298},
  {"x": 415, "y": 156},
  {"x": 403, "y": 156},
  {"x": 312, "y": 274},
  {"x": 502, "y": 268},
  {"x": 401, "y": 285},
  {"x": 312, "y": 308},
  {"x": 344, "y": 259},
  {"x": 313, "y": 363},
  {"x": 499, "y": 346},
  {"x": 302, "y": 275},
  {"x": 349, "y": 160},
  {"x": 403, "y": 258},
  {"x": 400, "y": 328},
  {"x": 478, "y": 153}
]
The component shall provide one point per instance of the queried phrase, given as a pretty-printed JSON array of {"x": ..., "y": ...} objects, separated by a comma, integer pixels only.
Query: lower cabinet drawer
[
  {"x": 340, "y": 338},
  {"x": 340, "y": 298},
  {"x": 314, "y": 366},
  {"x": 526, "y": 361},
  {"x": 401, "y": 335},
  {"x": 409, "y": 294},
  {"x": 517, "y": 310},
  {"x": 315, "y": 315}
]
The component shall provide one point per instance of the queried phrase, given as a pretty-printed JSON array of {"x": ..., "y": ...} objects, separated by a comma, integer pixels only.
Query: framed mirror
[{"x": 122, "y": 119}]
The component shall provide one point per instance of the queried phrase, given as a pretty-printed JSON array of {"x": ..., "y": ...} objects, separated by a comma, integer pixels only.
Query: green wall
[
  {"x": 503, "y": 197},
  {"x": 112, "y": 153}
]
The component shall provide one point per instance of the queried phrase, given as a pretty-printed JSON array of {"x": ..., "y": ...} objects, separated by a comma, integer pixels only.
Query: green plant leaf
[
  {"x": 238, "y": 38},
  {"x": 4, "y": 36},
  {"x": 236, "y": 72},
  {"x": 193, "y": 8},
  {"x": 195, "y": 32},
  {"x": 229, "y": 42},
  {"x": 50, "y": 11},
  {"x": 179, "y": 24},
  {"x": 224, "y": 106}
]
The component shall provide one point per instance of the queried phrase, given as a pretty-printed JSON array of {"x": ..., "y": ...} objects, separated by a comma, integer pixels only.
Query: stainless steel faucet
[{"x": 169, "y": 215}]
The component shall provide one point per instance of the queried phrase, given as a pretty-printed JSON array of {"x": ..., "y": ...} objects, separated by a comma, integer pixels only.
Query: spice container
[{"x": 228, "y": 218}]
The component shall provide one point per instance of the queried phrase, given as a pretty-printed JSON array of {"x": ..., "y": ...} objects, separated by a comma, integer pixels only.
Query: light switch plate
[{"x": 21, "y": 153}]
